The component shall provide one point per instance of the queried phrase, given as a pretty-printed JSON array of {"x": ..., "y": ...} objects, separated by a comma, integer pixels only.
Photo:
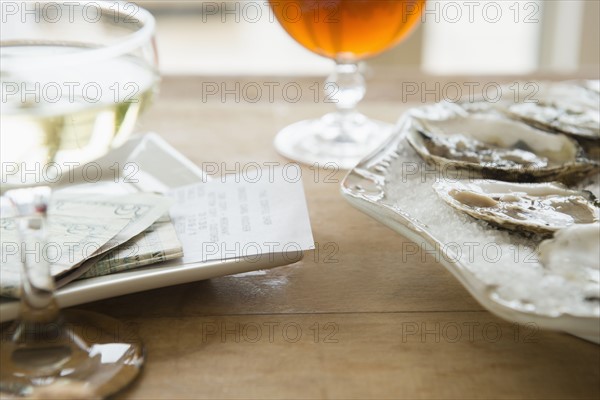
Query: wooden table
[{"x": 355, "y": 319}]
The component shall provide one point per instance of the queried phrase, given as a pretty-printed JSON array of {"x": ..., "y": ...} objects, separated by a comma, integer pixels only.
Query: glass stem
[
  {"x": 37, "y": 285},
  {"x": 38, "y": 306},
  {"x": 42, "y": 343},
  {"x": 346, "y": 87}
]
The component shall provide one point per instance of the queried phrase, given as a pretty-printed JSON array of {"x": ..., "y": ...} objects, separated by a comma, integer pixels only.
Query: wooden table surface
[{"x": 355, "y": 319}]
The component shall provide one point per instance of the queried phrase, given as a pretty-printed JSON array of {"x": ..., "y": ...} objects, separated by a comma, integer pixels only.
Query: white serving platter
[
  {"x": 369, "y": 188},
  {"x": 158, "y": 168}
]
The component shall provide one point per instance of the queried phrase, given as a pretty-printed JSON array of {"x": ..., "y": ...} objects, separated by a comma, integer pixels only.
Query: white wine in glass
[
  {"x": 346, "y": 31},
  {"x": 75, "y": 77}
]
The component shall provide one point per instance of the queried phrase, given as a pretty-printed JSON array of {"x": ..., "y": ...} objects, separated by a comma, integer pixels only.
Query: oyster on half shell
[
  {"x": 494, "y": 147},
  {"x": 579, "y": 121},
  {"x": 541, "y": 208},
  {"x": 571, "y": 107},
  {"x": 574, "y": 253}
]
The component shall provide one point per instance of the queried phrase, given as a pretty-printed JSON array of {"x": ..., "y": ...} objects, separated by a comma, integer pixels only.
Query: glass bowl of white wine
[{"x": 75, "y": 76}]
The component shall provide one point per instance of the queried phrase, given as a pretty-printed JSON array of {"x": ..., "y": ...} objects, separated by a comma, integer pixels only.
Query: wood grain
[{"x": 399, "y": 326}]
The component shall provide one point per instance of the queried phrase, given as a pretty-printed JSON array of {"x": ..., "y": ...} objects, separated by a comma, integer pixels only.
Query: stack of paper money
[{"x": 93, "y": 234}]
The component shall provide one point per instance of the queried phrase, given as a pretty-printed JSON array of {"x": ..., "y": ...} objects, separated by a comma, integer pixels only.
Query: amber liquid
[{"x": 348, "y": 30}]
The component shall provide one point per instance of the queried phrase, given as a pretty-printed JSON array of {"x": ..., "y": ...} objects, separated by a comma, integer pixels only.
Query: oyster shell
[
  {"x": 573, "y": 253},
  {"x": 579, "y": 121},
  {"x": 541, "y": 208},
  {"x": 593, "y": 85},
  {"x": 577, "y": 92},
  {"x": 494, "y": 147},
  {"x": 572, "y": 108}
]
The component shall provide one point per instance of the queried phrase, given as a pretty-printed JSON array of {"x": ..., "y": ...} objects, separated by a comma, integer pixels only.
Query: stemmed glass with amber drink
[{"x": 347, "y": 31}]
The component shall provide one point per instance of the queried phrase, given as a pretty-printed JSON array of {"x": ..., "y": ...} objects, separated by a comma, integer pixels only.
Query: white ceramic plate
[
  {"x": 158, "y": 167},
  {"x": 368, "y": 187}
]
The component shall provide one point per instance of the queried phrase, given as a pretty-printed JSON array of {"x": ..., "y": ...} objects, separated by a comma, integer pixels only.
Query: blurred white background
[{"x": 456, "y": 37}]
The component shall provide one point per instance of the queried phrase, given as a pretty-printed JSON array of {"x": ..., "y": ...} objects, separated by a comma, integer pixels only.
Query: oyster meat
[
  {"x": 494, "y": 147},
  {"x": 541, "y": 208},
  {"x": 574, "y": 253}
]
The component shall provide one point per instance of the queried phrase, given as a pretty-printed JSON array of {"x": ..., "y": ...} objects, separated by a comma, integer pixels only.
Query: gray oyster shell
[
  {"x": 491, "y": 146},
  {"x": 539, "y": 208},
  {"x": 571, "y": 108},
  {"x": 574, "y": 253},
  {"x": 558, "y": 116}
]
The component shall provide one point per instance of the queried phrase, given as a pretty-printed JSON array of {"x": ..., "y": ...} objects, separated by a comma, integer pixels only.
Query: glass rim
[{"x": 130, "y": 42}]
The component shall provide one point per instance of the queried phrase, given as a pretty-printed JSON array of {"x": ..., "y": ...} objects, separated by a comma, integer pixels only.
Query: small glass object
[
  {"x": 346, "y": 31},
  {"x": 75, "y": 76}
]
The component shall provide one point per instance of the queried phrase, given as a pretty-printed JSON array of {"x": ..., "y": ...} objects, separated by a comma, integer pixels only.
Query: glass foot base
[
  {"x": 341, "y": 140},
  {"x": 83, "y": 355}
]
